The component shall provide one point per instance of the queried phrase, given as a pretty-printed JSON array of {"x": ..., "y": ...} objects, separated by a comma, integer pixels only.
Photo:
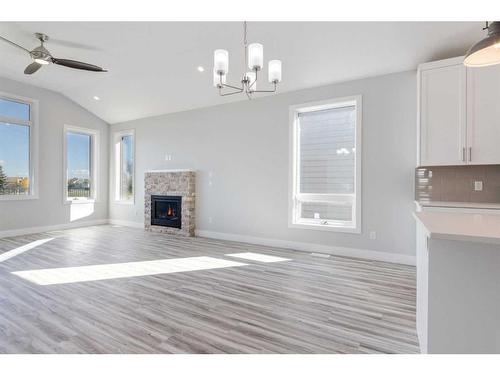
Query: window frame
[
  {"x": 118, "y": 153},
  {"x": 294, "y": 170},
  {"x": 33, "y": 147},
  {"x": 94, "y": 163}
]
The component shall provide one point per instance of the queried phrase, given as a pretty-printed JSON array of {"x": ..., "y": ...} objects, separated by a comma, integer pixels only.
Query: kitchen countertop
[
  {"x": 493, "y": 206},
  {"x": 462, "y": 225}
]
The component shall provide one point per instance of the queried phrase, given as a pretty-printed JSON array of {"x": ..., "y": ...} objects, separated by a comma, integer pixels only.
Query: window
[
  {"x": 326, "y": 165},
  {"x": 80, "y": 164},
  {"x": 124, "y": 166},
  {"x": 18, "y": 142}
]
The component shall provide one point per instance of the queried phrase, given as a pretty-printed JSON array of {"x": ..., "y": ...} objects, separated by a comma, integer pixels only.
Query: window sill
[
  {"x": 126, "y": 203},
  {"x": 80, "y": 201},
  {"x": 18, "y": 197},
  {"x": 327, "y": 228}
]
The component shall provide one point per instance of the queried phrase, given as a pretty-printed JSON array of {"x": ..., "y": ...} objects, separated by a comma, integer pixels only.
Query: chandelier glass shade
[{"x": 254, "y": 61}]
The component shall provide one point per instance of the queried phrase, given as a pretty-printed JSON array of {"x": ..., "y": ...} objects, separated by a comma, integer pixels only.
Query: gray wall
[
  {"x": 54, "y": 111},
  {"x": 244, "y": 146}
]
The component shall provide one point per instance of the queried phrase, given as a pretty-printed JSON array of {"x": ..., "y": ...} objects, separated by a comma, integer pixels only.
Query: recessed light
[
  {"x": 201, "y": 69},
  {"x": 97, "y": 98}
]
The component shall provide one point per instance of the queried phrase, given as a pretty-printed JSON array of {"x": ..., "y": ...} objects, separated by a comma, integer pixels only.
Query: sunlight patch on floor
[
  {"x": 22, "y": 249},
  {"x": 258, "y": 257},
  {"x": 52, "y": 276}
]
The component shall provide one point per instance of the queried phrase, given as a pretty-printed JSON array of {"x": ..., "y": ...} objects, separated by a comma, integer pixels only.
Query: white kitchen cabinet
[
  {"x": 483, "y": 115},
  {"x": 459, "y": 114},
  {"x": 422, "y": 285},
  {"x": 458, "y": 283},
  {"x": 442, "y": 113}
]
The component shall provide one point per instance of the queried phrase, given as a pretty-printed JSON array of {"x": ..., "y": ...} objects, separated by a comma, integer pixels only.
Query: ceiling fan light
[
  {"x": 221, "y": 61},
  {"x": 41, "y": 61},
  {"x": 486, "y": 52},
  {"x": 255, "y": 56}
]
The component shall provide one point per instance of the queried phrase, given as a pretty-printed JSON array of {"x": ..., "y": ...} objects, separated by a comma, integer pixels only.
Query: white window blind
[{"x": 325, "y": 165}]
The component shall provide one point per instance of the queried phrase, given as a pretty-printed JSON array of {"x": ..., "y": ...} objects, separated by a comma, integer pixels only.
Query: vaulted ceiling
[{"x": 153, "y": 65}]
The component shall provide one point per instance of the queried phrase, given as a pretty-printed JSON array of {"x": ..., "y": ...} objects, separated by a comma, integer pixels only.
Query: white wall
[
  {"x": 48, "y": 210},
  {"x": 244, "y": 146}
]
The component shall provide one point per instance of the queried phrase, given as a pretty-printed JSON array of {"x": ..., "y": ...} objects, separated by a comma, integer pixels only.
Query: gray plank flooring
[{"x": 305, "y": 305}]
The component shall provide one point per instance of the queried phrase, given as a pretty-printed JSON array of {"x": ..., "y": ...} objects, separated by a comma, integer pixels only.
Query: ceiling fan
[{"x": 41, "y": 56}]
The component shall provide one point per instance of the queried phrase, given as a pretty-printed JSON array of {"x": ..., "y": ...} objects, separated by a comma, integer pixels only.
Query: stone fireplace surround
[{"x": 175, "y": 182}]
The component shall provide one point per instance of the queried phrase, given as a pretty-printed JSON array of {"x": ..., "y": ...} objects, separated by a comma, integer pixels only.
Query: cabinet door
[
  {"x": 483, "y": 115},
  {"x": 422, "y": 285},
  {"x": 442, "y": 115}
]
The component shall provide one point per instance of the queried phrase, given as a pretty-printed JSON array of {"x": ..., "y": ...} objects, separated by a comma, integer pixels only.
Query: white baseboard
[
  {"x": 49, "y": 228},
  {"x": 126, "y": 223},
  {"x": 312, "y": 248},
  {"x": 300, "y": 246}
]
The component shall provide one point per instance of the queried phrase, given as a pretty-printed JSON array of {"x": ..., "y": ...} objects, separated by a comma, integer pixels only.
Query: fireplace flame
[{"x": 170, "y": 212}]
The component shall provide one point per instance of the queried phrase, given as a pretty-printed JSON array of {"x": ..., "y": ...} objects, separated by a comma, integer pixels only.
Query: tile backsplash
[{"x": 456, "y": 184}]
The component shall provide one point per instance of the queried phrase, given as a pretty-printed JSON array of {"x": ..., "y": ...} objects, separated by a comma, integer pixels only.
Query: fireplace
[{"x": 166, "y": 211}]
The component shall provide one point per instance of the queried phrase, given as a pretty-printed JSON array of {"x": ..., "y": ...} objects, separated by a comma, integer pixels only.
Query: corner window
[
  {"x": 80, "y": 164},
  {"x": 17, "y": 148},
  {"x": 326, "y": 165},
  {"x": 124, "y": 166}
]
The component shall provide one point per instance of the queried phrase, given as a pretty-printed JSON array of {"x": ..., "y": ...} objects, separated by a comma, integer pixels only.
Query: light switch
[
  {"x": 478, "y": 185},
  {"x": 168, "y": 157}
]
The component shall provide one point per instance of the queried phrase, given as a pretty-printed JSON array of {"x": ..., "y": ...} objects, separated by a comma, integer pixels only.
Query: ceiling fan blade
[
  {"x": 32, "y": 68},
  {"x": 78, "y": 65}
]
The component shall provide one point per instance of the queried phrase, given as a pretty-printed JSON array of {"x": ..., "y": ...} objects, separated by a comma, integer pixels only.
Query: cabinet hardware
[
  {"x": 463, "y": 154},
  {"x": 470, "y": 153}
]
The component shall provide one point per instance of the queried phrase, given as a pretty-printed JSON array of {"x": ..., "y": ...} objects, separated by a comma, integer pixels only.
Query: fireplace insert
[{"x": 166, "y": 211}]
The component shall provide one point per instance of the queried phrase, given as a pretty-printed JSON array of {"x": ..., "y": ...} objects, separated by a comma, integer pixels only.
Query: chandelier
[{"x": 254, "y": 59}]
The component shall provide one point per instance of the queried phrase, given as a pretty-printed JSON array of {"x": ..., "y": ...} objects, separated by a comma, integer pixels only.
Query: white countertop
[{"x": 461, "y": 225}]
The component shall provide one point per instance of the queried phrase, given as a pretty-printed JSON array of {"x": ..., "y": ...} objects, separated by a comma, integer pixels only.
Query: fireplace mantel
[{"x": 171, "y": 182}]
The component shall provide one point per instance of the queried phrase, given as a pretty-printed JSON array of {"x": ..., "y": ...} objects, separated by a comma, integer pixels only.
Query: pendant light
[
  {"x": 254, "y": 60},
  {"x": 486, "y": 52}
]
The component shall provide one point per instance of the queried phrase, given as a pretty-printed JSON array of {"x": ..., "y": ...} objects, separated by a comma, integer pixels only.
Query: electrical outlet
[
  {"x": 478, "y": 185},
  {"x": 373, "y": 235}
]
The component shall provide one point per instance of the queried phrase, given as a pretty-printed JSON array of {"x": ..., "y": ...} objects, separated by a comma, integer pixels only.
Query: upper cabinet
[
  {"x": 459, "y": 114},
  {"x": 483, "y": 115}
]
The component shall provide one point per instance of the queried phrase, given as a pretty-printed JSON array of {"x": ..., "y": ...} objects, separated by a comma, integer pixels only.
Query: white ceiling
[{"x": 152, "y": 66}]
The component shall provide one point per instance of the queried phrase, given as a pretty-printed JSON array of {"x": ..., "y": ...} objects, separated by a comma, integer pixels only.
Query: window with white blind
[{"x": 326, "y": 165}]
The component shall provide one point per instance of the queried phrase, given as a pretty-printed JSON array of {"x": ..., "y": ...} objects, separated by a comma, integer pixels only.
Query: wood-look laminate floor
[{"x": 305, "y": 305}]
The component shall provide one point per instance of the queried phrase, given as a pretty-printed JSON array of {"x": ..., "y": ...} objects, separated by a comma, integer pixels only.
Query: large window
[
  {"x": 17, "y": 148},
  {"x": 124, "y": 166},
  {"x": 326, "y": 165},
  {"x": 80, "y": 164}
]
